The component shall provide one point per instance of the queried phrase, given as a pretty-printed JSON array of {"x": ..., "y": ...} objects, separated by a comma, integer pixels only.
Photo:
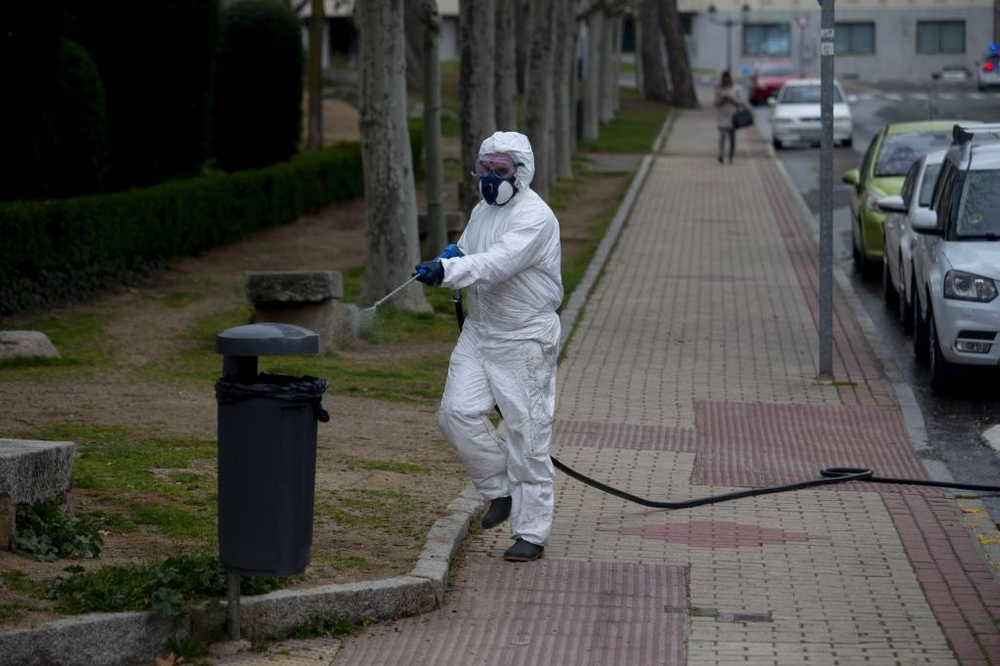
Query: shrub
[
  {"x": 56, "y": 250},
  {"x": 257, "y": 113}
]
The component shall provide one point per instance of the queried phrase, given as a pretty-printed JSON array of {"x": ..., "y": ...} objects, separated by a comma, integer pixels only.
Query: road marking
[{"x": 992, "y": 437}]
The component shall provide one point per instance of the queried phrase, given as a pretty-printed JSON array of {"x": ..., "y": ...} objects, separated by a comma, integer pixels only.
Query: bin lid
[{"x": 267, "y": 340}]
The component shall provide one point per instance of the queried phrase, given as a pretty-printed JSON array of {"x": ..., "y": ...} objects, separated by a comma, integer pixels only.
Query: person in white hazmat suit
[{"x": 509, "y": 265}]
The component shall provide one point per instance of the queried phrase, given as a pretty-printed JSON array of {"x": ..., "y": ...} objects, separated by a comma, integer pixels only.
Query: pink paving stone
[
  {"x": 542, "y": 613},
  {"x": 709, "y": 534},
  {"x": 752, "y": 444}
]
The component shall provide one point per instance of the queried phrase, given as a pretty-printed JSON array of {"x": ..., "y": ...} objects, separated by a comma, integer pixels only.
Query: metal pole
[
  {"x": 233, "y": 599},
  {"x": 729, "y": 45},
  {"x": 826, "y": 192}
]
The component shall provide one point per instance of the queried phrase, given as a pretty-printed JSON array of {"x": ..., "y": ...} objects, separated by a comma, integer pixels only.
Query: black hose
[{"x": 828, "y": 476}]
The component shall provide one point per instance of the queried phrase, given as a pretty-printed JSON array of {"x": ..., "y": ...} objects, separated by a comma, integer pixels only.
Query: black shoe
[
  {"x": 522, "y": 551},
  {"x": 499, "y": 511}
]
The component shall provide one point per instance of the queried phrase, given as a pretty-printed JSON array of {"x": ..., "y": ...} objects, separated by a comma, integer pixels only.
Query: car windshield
[
  {"x": 979, "y": 207},
  {"x": 899, "y": 151},
  {"x": 927, "y": 184},
  {"x": 806, "y": 95},
  {"x": 777, "y": 70}
]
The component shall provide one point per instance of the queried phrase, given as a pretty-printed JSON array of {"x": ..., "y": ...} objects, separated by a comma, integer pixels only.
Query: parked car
[
  {"x": 795, "y": 115},
  {"x": 953, "y": 72},
  {"x": 768, "y": 76},
  {"x": 898, "y": 281},
  {"x": 988, "y": 71},
  {"x": 956, "y": 306},
  {"x": 889, "y": 156}
]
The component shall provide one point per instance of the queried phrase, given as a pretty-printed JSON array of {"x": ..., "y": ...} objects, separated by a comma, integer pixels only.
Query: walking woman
[{"x": 728, "y": 100}]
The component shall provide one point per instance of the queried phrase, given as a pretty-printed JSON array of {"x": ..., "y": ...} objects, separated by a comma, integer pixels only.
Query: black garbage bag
[{"x": 287, "y": 388}]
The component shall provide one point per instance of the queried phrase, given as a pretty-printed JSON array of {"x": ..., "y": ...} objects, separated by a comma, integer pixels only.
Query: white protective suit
[{"x": 506, "y": 354}]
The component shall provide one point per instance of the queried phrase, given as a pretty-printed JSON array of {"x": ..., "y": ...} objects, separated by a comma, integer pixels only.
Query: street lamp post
[{"x": 729, "y": 22}]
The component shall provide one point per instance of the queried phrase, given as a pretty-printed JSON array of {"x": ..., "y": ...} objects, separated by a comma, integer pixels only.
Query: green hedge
[{"x": 56, "y": 250}]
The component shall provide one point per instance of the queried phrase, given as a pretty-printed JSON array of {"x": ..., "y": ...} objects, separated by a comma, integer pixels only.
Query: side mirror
[
  {"x": 892, "y": 204},
  {"x": 852, "y": 176},
  {"x": 924, "y": 221}
]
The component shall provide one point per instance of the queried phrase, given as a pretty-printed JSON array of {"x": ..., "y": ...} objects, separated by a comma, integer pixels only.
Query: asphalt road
[{"x": 958, "y": 426}]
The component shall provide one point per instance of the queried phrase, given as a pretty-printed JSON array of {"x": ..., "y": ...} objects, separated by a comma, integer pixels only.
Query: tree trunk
[
  {"x": 609, "y": 73},
  {"x": 414, "y": 39},
  {"x": 437, "y": 232},
  {"x": 505, "y": 63},
  {"x": 653, "y": 77},
  {"x": 681, "y": 81},
  {"x": 565, "y": 88},
  {"x": 592, "y": 76},
  {"x": 476, "y": 82},
  {"x": 538, "y": 110},
  {"x": 314, "y": 138},
  {"x": 390, "y": 193}
]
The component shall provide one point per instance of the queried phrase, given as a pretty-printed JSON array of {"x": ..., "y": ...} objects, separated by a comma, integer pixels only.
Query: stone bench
[
  {"x": 311, "y": 299},
  {"x": 31, "y": 470}
]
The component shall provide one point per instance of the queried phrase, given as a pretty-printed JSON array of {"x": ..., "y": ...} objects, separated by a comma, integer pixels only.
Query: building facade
[{"x": 875, "y": 40}]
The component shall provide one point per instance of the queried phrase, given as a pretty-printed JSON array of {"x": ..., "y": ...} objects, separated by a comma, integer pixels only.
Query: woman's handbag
[{"x": 742, "y": 118}]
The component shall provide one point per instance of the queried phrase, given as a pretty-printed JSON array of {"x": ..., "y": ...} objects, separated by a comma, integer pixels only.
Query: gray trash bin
[{"x": 266, "y": 451}]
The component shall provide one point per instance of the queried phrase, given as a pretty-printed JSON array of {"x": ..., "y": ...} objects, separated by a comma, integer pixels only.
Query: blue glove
[
  {"x": 430, "y": 272},
  {"x": 450, "y": 252}
]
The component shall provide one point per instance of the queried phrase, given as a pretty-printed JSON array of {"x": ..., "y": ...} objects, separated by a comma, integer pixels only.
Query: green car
[{"x": 889, "y": 156}]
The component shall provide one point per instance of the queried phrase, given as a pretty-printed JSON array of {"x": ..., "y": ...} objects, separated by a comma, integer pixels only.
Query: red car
[{"x": 768, "y": 77}]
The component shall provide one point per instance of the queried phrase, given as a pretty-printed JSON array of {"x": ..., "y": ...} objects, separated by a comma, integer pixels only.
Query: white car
[
  {"x": 899, "y": 238},
  {"x": 988, "y": 71},
  {"x": 956, "y": 306},
  {"x": 795, "y": 114}
]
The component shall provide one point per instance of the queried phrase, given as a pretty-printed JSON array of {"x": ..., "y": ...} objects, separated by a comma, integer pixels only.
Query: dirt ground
[{"x": 141, "y": 331}]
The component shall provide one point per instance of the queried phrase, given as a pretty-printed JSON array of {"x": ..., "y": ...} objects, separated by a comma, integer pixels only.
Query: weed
[
  {"x": 331, "y": 626},
  {"x": 47, "y": 532},
  {"x": 165, "y": 587},
  {"x": 10, "y": 613},
  {"x": 18, "y": 581}
]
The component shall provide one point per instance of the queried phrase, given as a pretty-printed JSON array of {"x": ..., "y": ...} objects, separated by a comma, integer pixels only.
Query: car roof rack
[{"x": 963, "y": 135}]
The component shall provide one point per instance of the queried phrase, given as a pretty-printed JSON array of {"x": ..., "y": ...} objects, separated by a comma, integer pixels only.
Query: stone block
[
  {"x": 32, "y": 470},
  {"x": 267, "y": 287},
  {"x": 26, "y": 344}
]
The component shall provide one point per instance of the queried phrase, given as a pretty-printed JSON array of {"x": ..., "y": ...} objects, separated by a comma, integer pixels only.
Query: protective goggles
[{"x": 502, "y": 164}]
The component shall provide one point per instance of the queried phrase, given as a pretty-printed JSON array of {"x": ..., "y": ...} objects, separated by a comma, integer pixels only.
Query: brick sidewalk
[{"x": 692, "y": 371}]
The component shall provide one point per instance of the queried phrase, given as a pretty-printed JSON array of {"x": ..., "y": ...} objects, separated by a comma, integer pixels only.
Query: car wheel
[
  {"x": 921, "y": 332},
  {"x": 889, "y": 292},
  {"x": 777, "y": 144},
  {"x": 848, "y": 142},
  {"x": 942, "y": 371},
  {"x": 906, "y": 309}
]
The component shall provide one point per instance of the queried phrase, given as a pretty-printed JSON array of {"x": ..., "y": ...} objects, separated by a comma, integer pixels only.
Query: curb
[{"x": 117, "y": 639}]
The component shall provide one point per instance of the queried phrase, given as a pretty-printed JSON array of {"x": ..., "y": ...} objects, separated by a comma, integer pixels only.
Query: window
[
  {"x": 927, "y": 185},
  {"x": 940, "y": 36},
  {"x": 854, "y": 39},
  {"x": 980, "y": 196},
  {"x": 806, "y": 95},
  {"x": 899, "y": 151},
  {"x": 766, "y": 39}
]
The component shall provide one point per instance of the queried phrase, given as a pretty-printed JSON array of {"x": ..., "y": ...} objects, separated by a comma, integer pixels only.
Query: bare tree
[
  {"x": 390, "y": 192},
  {"x": 477, "y": 36},
  {"x": 592, "y": 74},
  {"x": 681, "y": 82},
  {"x": 565, "y": 87},
  {"x": 505, "y": 63},
  {"x": 433, "y": 173},
  {"x": 654, "y": 79},
  {"x": 412, "y": 17},
  {"x": 609, "y": 68},
  {"x": 538, "y": 108},
  {"x": 314, "y": 138}
]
